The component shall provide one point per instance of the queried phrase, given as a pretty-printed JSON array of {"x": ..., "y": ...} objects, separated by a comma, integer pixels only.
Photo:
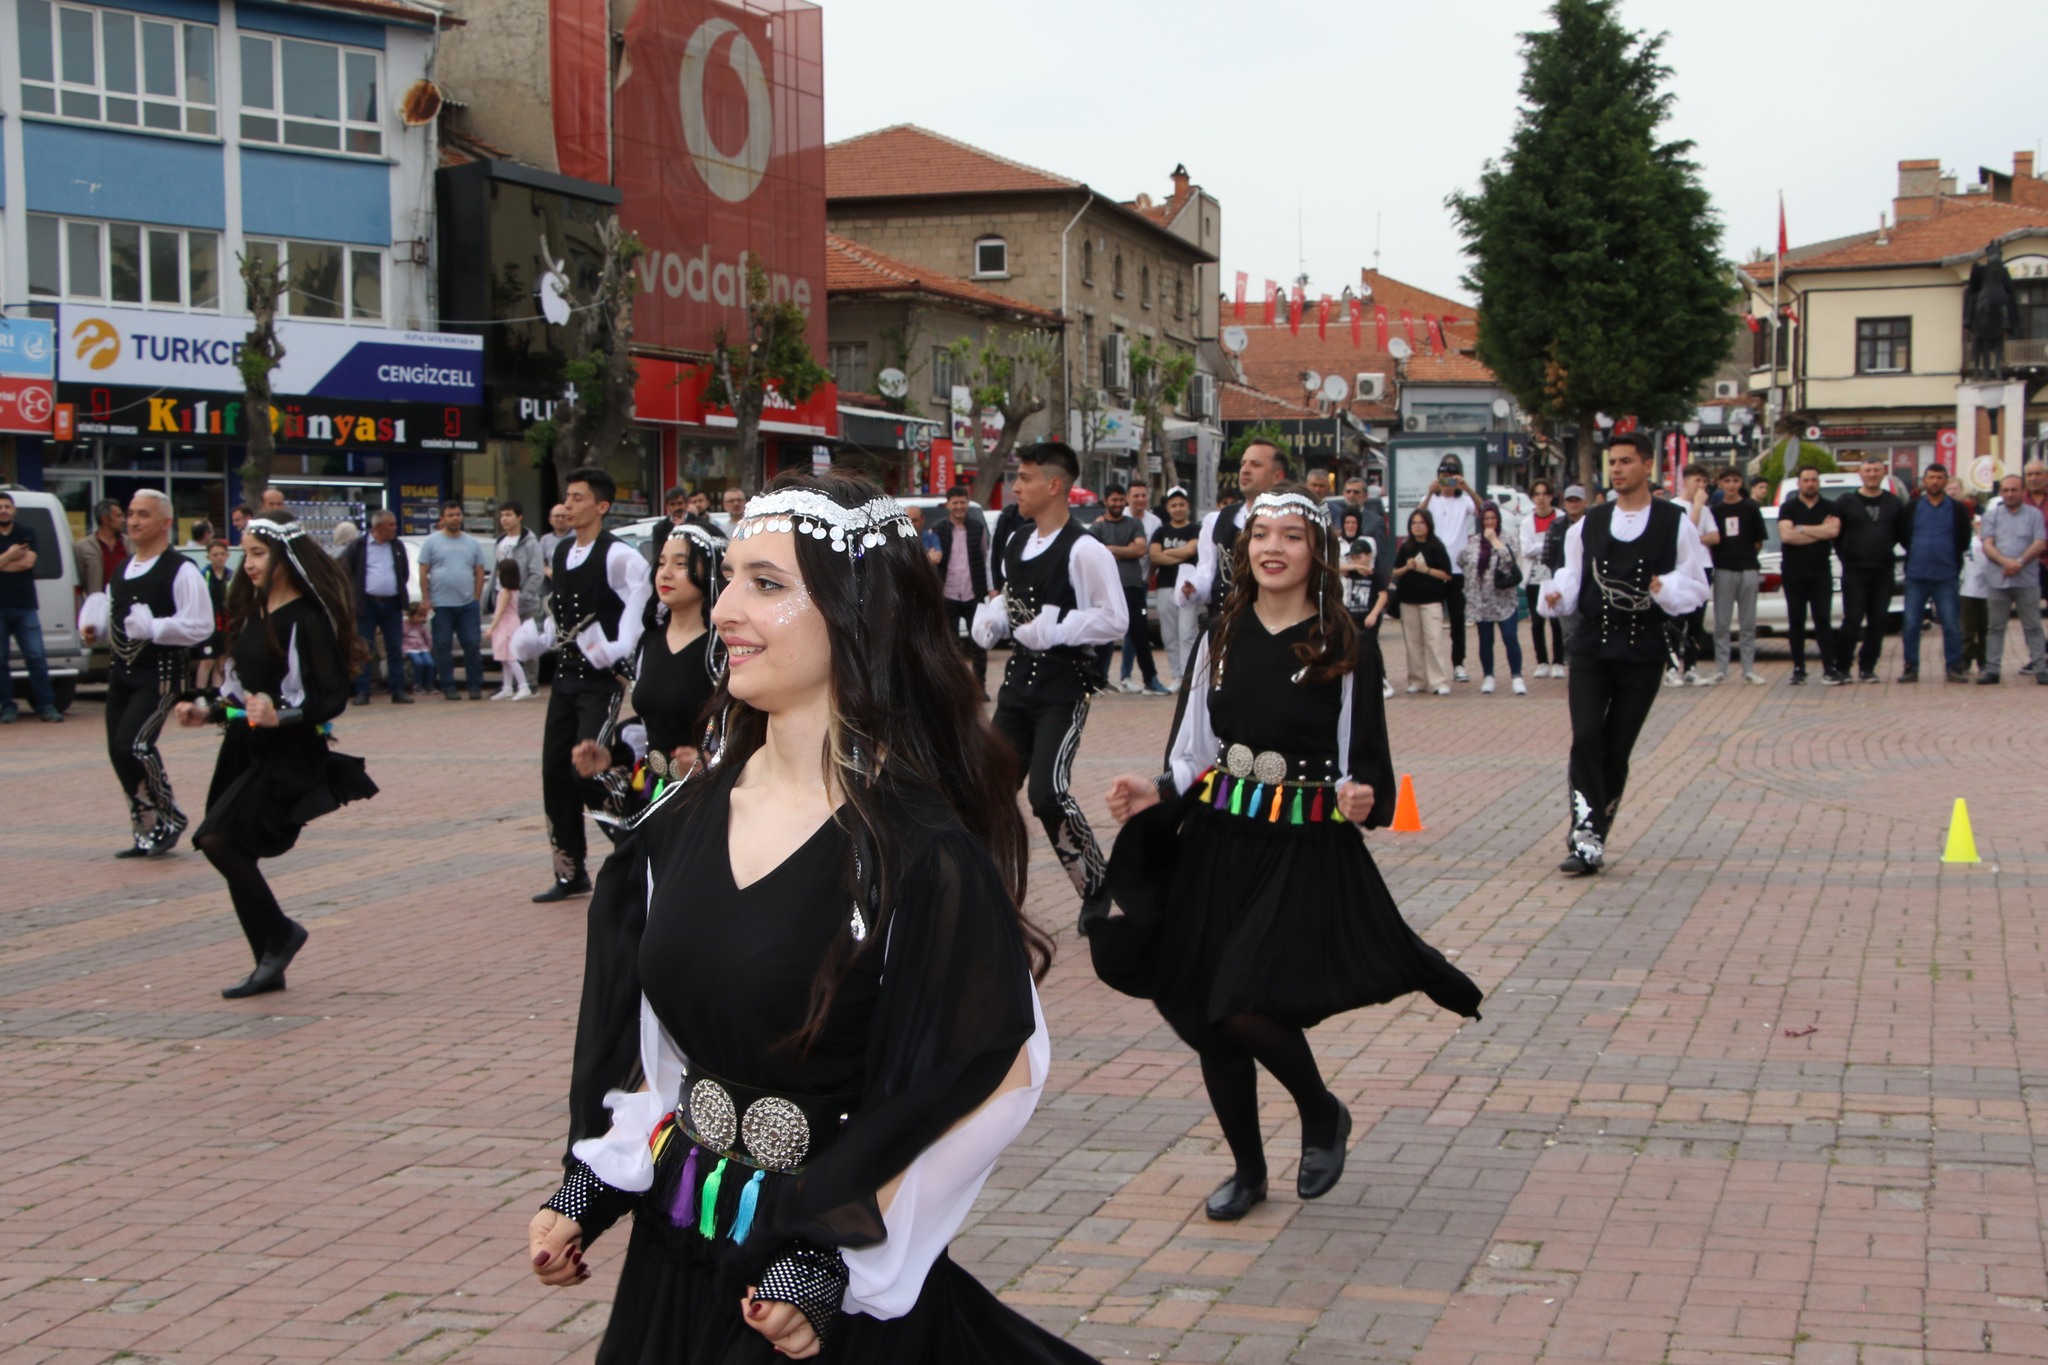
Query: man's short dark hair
[
  {"x": 1727, "y": 471},
  {"x": 1543, "y": 484},
  {"x": 602, "y": 486},
  {"x": 107, "y": 507},
  {"x": 959, "y": 490},
  {"x": 1053, "y": 455},
  {"x": 1282, "y": 461},
  {"x": 4, "y": 494},
  {"x": 514, "y": 506},
  {"x": 677, "y": 492},
  {"x": 1931, "y": 468},
  {"x": 1696, "y": 470},
  {"x": 448, "y": 507},
  {"x": 1633, "y": 440},
  {"x": 1117, "y": 489},
  {"x": 248, "y": 512},
  {"x": 1803, "y": 468}
]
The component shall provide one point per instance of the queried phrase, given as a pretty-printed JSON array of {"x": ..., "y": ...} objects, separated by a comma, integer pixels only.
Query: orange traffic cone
[{"x": 1407, "y": 816}]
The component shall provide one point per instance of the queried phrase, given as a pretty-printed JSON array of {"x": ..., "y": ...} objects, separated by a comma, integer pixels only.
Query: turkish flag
[
  {"x": 1357, "y": 323},
  {"x": 1436, "y": 334},
  {"x": 1272, "y": 303},
  {"x": 1379, "y": 325},
  {"x": 1408, "y": 325},
  {"x": 1323, "y": 317},
  {"x": 1238, "y": 309},
  {"x": 1294, "y": 309}
]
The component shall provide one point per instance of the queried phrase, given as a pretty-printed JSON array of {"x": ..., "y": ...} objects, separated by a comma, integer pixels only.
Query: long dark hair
[
  {"x": 1332, "y": 643},
  {"x": 906, "y": 721},
  {"x": 702, "y": 568},
  {"x": 314, "y": 573},
  {"x": 1408, "y": 527}
]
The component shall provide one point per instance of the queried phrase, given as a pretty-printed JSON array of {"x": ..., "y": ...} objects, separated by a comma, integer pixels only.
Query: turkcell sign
[{"x": 130, "y": 347}]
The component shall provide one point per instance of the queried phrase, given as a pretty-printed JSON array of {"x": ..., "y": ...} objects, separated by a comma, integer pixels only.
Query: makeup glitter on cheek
[{"x": 794, "y": 604}]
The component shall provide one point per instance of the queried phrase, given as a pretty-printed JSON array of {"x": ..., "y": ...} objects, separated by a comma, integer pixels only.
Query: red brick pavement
[{"x": 1629, "y": 1159}]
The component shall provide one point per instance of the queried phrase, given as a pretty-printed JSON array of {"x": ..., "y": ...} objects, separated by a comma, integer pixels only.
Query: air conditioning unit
[
  {"x": 1116, "y": 362},
  {"x": 1369, "y": 388},
  {"x": 1727, "y": 388},
  {"x": 1414, "y": 422},
  {"x": 1202, "y": 396}
]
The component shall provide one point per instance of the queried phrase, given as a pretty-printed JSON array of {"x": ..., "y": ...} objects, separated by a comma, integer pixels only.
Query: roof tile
[
  {"x": 1957, "y": 229},
  {"x": 852, "y": 269},
  {"x": 906, "y": 161}
]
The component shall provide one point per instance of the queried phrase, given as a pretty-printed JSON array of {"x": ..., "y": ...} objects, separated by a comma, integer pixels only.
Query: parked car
[{"x": 42, "y": 516}]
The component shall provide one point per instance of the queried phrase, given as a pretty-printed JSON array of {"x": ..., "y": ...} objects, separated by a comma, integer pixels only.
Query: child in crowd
[
  {"x": 419, "y": 646},
  {"x": 502, "y": 627},
  {"x": 1976, "y": 610}
]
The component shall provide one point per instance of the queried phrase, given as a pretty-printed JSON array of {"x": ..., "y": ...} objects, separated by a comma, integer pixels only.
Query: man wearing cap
[
  {"x": 1454, "y": 507},
  {"x": 1630, "y": 566}
]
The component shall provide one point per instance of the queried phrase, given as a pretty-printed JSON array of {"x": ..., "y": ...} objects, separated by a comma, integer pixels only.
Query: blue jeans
[
  {"x": 23, "y": 624},
  {"x": 1947, "y": 596},
  {"x": 1509, "y": 639},
  {"x": 385, "y": 616},
  {"x": 450, "y": 622}
]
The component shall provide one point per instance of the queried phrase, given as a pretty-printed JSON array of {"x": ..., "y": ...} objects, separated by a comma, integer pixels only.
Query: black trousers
[
  {"x": 1541, "y": 627},
  {"x": 1046, "y": 739},
  {"x": 960, "y": 618},
  {"x": 572, "y": 718},
  {"x": 1609, "y": 699},
  {"x": 1811, "y": 593},
  {"x": 1454, "y": 609},
  {"x": 1866, "y": 604},
  {"x": 135, "y": 717}
]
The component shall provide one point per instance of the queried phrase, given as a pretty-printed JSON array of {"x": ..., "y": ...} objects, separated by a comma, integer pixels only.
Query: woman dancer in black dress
[
  {"x": 672, "y": 685},
  {"x": 1252, "y": 910},
  {"x": 292, "y": 648},
  {"x": 839, "y": 1031}
]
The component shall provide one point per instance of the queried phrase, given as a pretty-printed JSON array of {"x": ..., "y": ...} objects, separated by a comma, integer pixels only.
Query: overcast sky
[{"x": 1311, "y": 120}]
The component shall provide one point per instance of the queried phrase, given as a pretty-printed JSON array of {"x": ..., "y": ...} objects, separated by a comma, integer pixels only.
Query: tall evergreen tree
[{"x": 1596, "y": 255}]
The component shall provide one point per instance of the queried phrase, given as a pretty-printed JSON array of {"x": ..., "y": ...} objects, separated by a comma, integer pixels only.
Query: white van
[{"x": 42, "y": 516}]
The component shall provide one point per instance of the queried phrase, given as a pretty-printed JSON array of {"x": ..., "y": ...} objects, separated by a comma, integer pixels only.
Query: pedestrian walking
[
  {"x": 1421, "y": 577},
  {"x": 21, "y": 618},
  {"x": 1130, "y": 545},
  {"x": 867, "y": 970},
  {"x": 452, "y": 570},
  {"x": 1492, "y": 573},
  {"x": 291, "y": 634},
  {"x": 598, "y": 606},
  {"x": 1629, "y": 564},
  {"x": 1175, "y": 547},
  {"x": 1868, "y": 549},
  {"x": 1936, "y": 530},
  {"x": 1061, "y": 599},
  {"x": 1252, "y": 909},
  {"x": 1808, "y": 526},
  {"x": 154, "y": 609},
  {"x": 1545, "y": 635},
  {"x": 964, "y": 576},
  {"x": 378, "y": 574},
  {"x": 1453, "y": 507},
  {"x": 1734, "y": 534},
  {"x": 504, "y": 625},
  {"x": 2014, "y": 537}
]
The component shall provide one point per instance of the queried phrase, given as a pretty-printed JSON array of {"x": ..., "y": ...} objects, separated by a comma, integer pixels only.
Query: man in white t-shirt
[{"x": 1455, "y": 508}]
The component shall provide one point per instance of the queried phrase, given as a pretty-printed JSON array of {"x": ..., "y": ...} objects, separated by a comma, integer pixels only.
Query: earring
[{"x": 715, "y": 659}]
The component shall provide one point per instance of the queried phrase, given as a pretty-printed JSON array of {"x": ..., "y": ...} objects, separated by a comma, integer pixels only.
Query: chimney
[
  {"x": 1180, "y": 183},
  {"x": 2023, "y": 165},
  {"x": 1919, "y": 188}
]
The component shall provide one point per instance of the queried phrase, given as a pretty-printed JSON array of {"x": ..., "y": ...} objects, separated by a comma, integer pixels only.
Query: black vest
[
  {"x": 583, "y": 596},
  {"x": 1053, "y": 676},
  {"x": 139, "y": 663},
  {"x": 1620, "y": 621},
  {"x": 1224, "y": 536}
]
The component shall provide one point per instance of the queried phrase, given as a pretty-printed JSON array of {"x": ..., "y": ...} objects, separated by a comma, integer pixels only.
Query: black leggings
[
  {"x": 263, "y": 920},
  {"x": 1530, "y": 593},
  {"x": 1231, "y": 1053}
]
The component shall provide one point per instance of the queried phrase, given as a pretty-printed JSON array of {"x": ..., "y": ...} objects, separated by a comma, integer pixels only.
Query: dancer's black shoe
[
  {"x": 1234, "y": 1199},
  {"x": 1323, "y": 1167},
  {"x": 578, "y": 885},
  {"x": 269, "y": 973}
]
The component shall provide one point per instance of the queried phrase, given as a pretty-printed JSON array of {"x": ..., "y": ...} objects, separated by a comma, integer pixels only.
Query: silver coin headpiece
[{"x": 807, "y": 512}]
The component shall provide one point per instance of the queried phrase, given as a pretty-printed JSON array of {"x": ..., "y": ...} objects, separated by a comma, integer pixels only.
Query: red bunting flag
[
  {"x": 1294, "y": 309},
  {"x": 1408, "y": 325},
  {"x": 1272, "y": 303},
  {"x": 1237, "y": 309},
  {"x": 1436, "y": 335},
  {"x": 1357, "y": 322},
  {"x": 1323, "y": 317},
  {"x": 1379, "y": 325},
  {"x": 1754, "y": 325}
]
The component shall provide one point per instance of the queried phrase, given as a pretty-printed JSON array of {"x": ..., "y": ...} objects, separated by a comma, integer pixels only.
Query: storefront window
[{"x": 706, "y": 464}]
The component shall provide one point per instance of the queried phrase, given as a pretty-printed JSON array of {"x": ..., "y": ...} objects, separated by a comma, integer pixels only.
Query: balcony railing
[{"x": 2026, "y": 353}]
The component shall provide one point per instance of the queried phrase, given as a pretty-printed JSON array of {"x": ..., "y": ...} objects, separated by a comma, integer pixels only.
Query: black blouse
[
  {"x": 292, "y": 656},
  {"x": 1416, "y": 586},
  {"x": 671, "y": 689}
]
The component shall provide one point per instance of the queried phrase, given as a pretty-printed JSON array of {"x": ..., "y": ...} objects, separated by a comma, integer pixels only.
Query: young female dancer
[
  {"x": 839, "y": 1031},
  {"x": 292, "y": 649},
  {"x": 1252, "y": 910}
]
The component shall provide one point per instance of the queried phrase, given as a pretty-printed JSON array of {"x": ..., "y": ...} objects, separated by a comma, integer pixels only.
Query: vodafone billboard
[{"x": 720, "y": 150}]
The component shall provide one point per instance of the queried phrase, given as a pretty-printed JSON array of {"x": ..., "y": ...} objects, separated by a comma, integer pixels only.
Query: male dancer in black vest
[
  {"x": 156, "y": 608},
  {"x": 598, "y": 588},
  {"x": 1260, "y": 469},
  {"x": 1060, "y": 598},
  {"x": 1628, "y": 565}
]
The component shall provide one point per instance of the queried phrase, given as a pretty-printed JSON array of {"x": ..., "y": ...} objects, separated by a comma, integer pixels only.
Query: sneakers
[
  {"x": 1713, "y": 680},
  {"x": 1692, "y": 678},
  {"x": 50, "y": 715},
  {"x": 523, "y": 694},
  {"x": 1413, "y": 688},
  {"x": 1460, "y": 674},
  {"x": 1486, "y": 684},
  {"x": 1987, "y": 680},
  {"x": 1798, "y": 676},
  {"x": 1866, "y": 678},
  {"x": 1127, "y": 684},
  {"x": 1961, "y": 675},
  {"x": 9, "y": 716},
  {"x": 1832, "y": 679},
  {"x": 1443, "y": 689},
  {"x": 565, "y": 887},
  {"x": 1757, "y": 678},
  {"x": 1909, "y": 674},
  {"x": 1673, "y": 678},
  {"x": 503, "y": 694},
  {"x": 1387, "y": 689},
  {"x": 1518, "y": 687}
]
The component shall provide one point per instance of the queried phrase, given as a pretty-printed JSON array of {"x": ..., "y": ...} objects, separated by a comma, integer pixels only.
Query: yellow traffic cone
[{"x": 1962, "y": 844}]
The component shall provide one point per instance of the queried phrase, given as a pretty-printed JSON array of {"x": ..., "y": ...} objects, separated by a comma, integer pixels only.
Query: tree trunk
[
  {"x": 748, "y": 457},
  {"x": 1589, "y": 456}
]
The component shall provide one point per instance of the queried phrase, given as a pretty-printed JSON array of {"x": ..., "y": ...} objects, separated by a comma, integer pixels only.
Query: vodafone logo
[{"x": 735, "y": 176}]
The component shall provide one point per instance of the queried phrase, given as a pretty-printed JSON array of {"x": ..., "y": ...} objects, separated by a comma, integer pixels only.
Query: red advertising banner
[
  {"x": 942, "y": 465},
  {"x": 1272, "y": 303},
  {"x": 673, "y": 391},
  {"x": 26, "y": 405},
  {"x": 720, "y": 126},
  {"x": 1379, "y": 325},
  {"x": 578, "y": 35},
  {"x": 1237, "y": 308}
]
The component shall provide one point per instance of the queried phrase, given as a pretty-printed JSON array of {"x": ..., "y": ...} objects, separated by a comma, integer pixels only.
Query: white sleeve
[
  {"x": 292, "y": 691},
  {"x": 1565, "y": 582},
  {"x": 991, "y": 624},
  {"x": 621, "y": 1158},
  {"x": 1193, "y": 746},
  {"x": 938, "y": 1191},
  {"x": 1685, "y": 588},
  {"x": 193, "y": 620},
  {"x": 1101, "y": 618},
  {"x": 627, "y": 572},
  {"x": 1203, "y": 575},
  {"x": 93, "y": 612}
]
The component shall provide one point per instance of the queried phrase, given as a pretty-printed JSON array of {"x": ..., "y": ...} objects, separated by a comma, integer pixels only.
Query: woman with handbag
[
  {"x": 1493, "y": 571},
  {"x": 1251, "y": 908}
]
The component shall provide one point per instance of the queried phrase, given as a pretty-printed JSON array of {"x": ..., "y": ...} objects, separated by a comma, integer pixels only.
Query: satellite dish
[
  {"x": 420, "y": 104},
  {"x": 1235, "y": 340},
  {"x": 892, "y": 382},
  {"x": 1399, "y": 348},
  {"x": 1335, "y": 389},
  {"x": 1501, "y": 407},
  {"x": 1312, "y": 381}
]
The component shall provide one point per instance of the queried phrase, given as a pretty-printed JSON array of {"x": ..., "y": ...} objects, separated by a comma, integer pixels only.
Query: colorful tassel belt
[
  {"x": 728, "y": 1124},
  {"x": 1271, "y": 786},
  {"x": 655, "y": 772}
]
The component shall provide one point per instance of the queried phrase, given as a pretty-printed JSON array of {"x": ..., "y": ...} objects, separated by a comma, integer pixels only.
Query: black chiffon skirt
[
  {"x": 1227, "y": 915},
  {"x": 269, "y": 784}
]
